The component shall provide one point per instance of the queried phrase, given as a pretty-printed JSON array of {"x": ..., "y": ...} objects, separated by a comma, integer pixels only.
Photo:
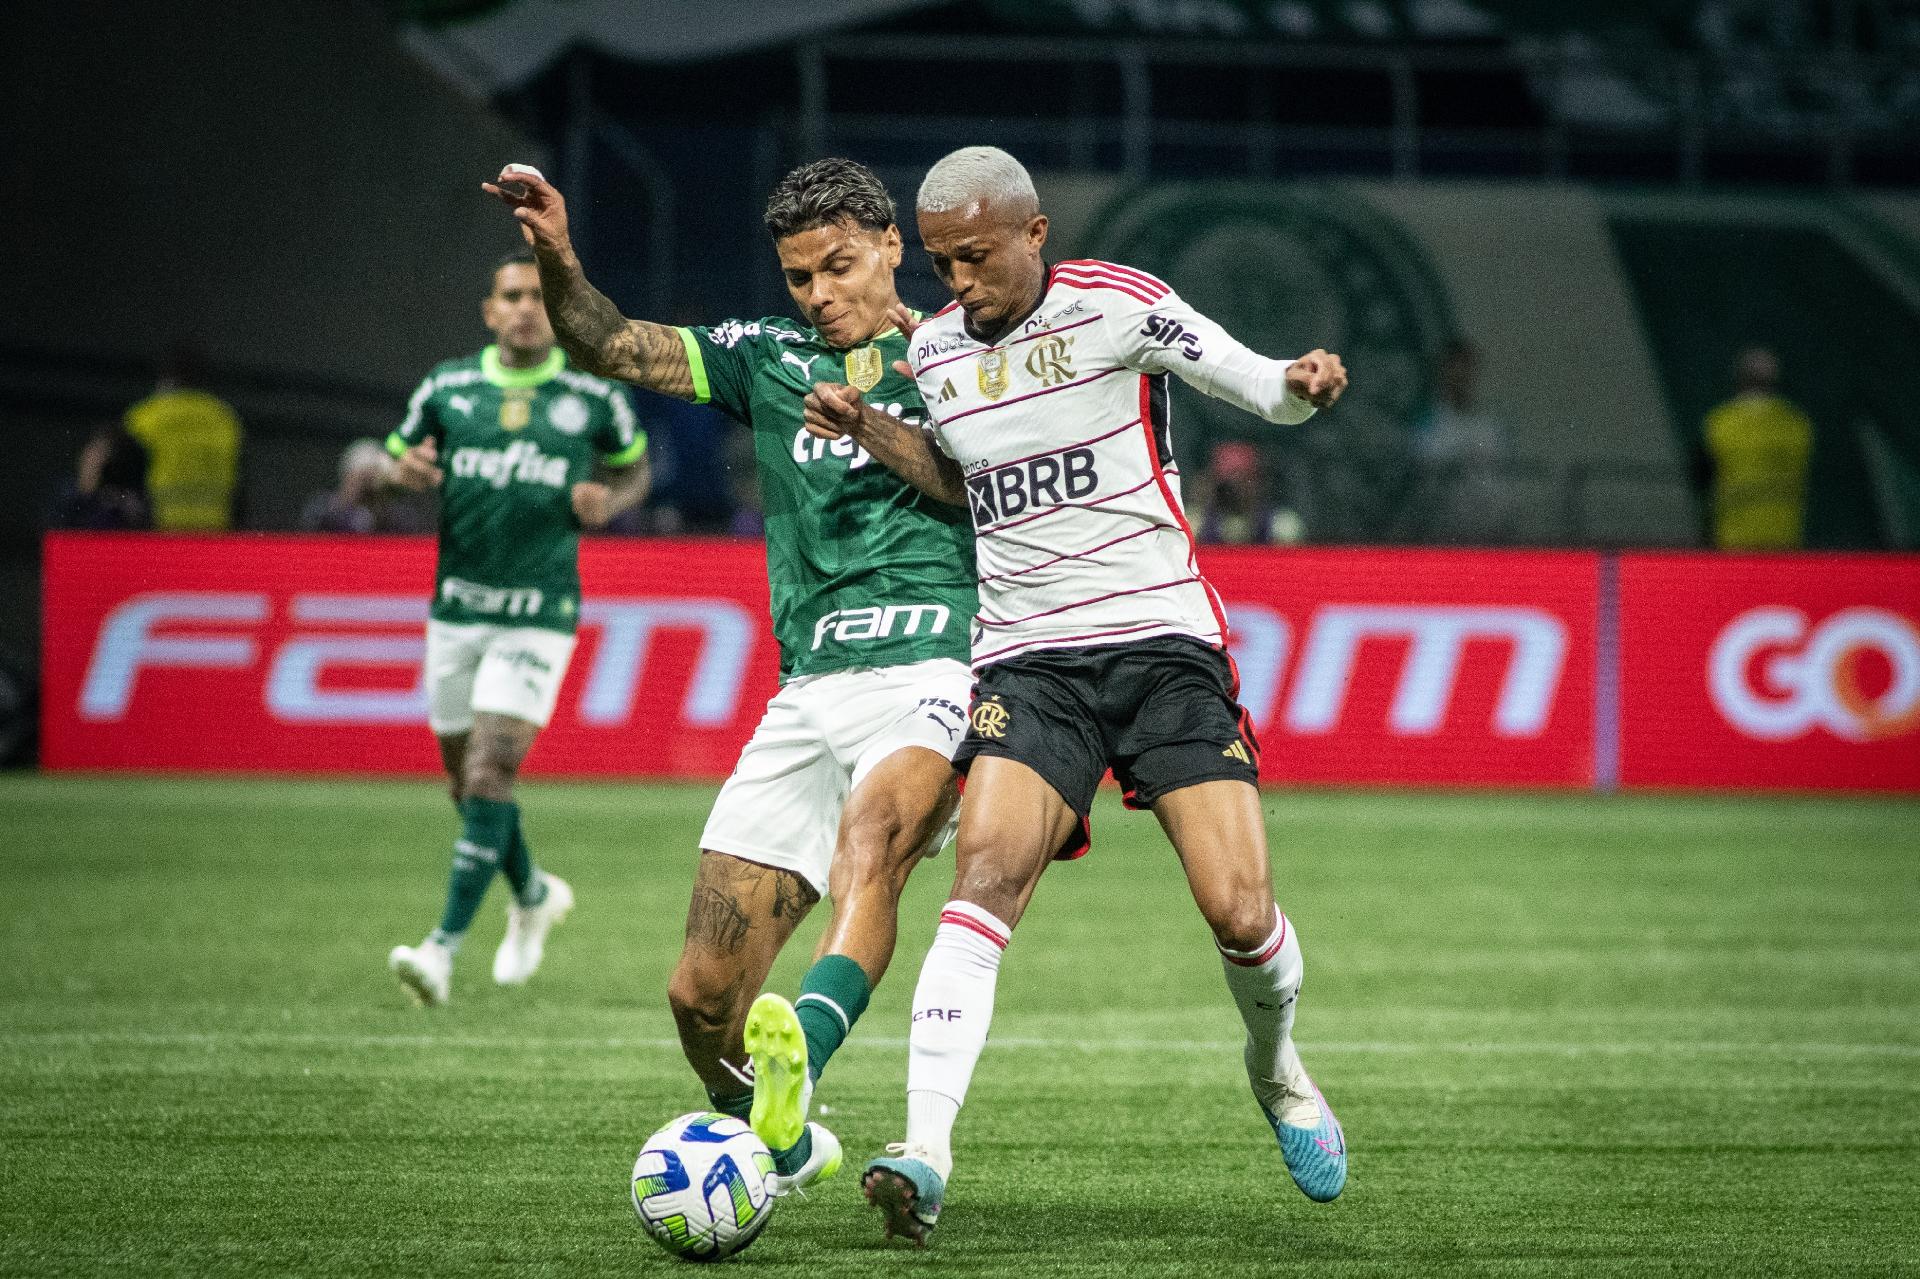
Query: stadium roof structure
[{"x": 489, "y": 48}]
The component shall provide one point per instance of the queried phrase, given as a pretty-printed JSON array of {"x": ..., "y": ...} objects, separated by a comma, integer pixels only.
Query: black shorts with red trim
[{"x": 1160, "y": 713}]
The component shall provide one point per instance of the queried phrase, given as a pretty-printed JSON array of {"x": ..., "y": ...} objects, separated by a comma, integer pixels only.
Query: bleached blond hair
[{"x": 986, "y": 174}]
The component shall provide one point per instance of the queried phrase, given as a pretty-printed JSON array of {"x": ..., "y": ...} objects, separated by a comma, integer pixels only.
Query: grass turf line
[{"x": 1574, "y": 1035}]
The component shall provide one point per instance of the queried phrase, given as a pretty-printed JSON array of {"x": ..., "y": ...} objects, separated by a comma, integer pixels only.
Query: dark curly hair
[{"x": 828, "y": 191}]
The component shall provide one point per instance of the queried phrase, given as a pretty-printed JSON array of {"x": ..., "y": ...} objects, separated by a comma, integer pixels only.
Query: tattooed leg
[{"x": 740, "y": 916}]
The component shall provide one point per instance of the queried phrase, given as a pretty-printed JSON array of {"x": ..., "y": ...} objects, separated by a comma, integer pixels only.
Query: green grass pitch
[{"x": 1566, "y": 1035}]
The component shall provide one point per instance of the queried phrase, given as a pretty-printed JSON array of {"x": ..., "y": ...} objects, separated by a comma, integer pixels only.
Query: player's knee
[
  {"x": 992, "y": 883},
  {"x": 870, "y": 850},
  {"x": 700, "y": 999},
  {"x": 488, "y": 777},
  {"x": 1244, "y": 922}
]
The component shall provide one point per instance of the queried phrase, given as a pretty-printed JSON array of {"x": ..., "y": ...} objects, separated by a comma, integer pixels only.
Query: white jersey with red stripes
[{"x": 1061, "y": 429}]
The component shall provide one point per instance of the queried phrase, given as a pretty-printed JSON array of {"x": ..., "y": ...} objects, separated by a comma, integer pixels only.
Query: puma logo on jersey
[
  {"x": 462, "y": 403},
  {"x": 1042, "y": 481},
  {"x": 805, "y": 366}
]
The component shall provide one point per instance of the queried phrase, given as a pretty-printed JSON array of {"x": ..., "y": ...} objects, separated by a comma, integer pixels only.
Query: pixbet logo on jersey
[{"x": 1776, "y": 674}]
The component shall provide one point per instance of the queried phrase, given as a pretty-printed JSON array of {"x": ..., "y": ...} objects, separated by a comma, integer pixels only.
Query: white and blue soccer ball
[{"x": 700, "y": 1186}]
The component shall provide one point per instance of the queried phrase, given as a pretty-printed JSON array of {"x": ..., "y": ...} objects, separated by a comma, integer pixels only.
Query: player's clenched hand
[
  {"x": 536, "y": 204},
  {"x": 419, "y": 467},
  {"x": 592, "y": 504},
  {"x": 832, "y": 410},
  {"x": 1317, "y": 377}
]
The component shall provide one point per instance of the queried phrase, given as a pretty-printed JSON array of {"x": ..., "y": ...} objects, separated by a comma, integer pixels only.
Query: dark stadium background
[{"x": 1572, "y": 1031}]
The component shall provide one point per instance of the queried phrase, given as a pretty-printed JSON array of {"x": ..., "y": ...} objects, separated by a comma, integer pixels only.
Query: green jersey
[
  {"x": 864, "y": 570},
  {"x": 513, "y": 443}
]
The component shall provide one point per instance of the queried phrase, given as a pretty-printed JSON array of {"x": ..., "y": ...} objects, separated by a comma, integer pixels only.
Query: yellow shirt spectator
[
  {"x": 193, "y": 439},
  {"x": 1760, "y": 445}
]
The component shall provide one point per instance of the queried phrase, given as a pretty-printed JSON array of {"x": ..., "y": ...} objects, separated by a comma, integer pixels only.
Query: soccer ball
[{"x": 700, "y": 1186}]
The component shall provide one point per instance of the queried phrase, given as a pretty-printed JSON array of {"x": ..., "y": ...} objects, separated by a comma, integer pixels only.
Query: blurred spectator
[
  {"x": 364, "y": 502},
  {"x": 109, "y": 486},
  {"x": 193, "y": 444},
  {"x": 1756, "y": 450},
  {"x": 1234, "y": 507},
  {"x": 1464, "y": 455}
]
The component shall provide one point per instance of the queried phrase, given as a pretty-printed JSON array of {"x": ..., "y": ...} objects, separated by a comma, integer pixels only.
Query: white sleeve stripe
[{"x": 415, "y": 406}]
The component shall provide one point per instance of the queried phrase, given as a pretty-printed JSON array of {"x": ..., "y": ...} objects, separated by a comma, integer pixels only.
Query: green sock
[
  {"x": 522, "y": 876},
  {"x": 486, "y": 831},
  {"x": 833, "y": 994},
  {"x": 794, "y": 1158},
  {"x": 739, "y": 1105}
]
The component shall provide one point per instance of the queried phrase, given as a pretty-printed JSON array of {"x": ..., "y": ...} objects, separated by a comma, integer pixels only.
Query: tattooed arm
[
  {"x": 589, "y": 326},
  {"x": 905, "y": 448}
]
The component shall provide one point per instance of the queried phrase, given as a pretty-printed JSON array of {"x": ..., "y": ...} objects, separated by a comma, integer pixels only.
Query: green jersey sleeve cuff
[
  {"x": 630, "y": 454},
  {"x": 696, "y": 365},
  {"x": 396, "y": 445}
]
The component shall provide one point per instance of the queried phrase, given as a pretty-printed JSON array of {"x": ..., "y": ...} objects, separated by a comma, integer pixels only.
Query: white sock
[
  {"x": 1265, "y": 983},
  {"x": 952, "y": 1009}
]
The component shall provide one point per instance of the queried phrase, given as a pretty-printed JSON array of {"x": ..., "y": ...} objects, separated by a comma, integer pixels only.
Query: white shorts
[
  {"x": 500, "y": 670},
  {"x": 820, "y": 737}
]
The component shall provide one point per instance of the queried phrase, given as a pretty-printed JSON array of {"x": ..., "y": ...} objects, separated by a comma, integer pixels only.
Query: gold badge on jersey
[
  {"x": 993, "y": 374},
  {"x": 516, "y": 407},
  {"x": 1051, "y": 360},
  {"x": 990, "y": 719},
  {"x": 865, "y": 368}
]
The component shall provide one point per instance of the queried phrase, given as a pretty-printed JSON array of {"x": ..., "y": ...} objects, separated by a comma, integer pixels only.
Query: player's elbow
[{"x": 586, "y": 356}]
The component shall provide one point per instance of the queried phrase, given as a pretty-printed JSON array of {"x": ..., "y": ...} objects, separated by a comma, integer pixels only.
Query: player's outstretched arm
[
  {"x": 1168, "y": 336},
  {"x": 595, "y": 336},
  {"x": 905, "y": 448}
]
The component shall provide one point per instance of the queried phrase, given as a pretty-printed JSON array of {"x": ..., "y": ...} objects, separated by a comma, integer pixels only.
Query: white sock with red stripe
[
  {"x": 1265, "y": 982},
  {"x": 952, "y": 1009}
]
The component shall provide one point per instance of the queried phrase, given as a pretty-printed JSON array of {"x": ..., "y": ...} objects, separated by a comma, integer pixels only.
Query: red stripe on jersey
[
  {"x": 1179, "y": 516},
  {"x": 1121, "y": 277},
  {"x": 945, "y": 359},
  {"x": 1079, "y": 277},
  {"x": 1065, "y": 506},
  {"x": 1110, "y": 595},
  {"x": 1133, "y": 291},
  {"x": 949, "y": 359},
  {"x": 968, "y": 921},
  {"x": 1133, "y": 273},
  {"x": 1001, "y": 466},
  {"x": 1064, "y": 386},
  {"x": 1268, "y": 952},
  {"x": 1063, "y": 640},
  {"x": 1076, "y": 555},
  {"x": 943, "y": 310}
]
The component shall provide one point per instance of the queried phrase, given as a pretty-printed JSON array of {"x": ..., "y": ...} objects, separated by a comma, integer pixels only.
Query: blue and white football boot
[
  {"x": 1311, "y": 1140},
  {"x": 907, "y": 1185}
]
